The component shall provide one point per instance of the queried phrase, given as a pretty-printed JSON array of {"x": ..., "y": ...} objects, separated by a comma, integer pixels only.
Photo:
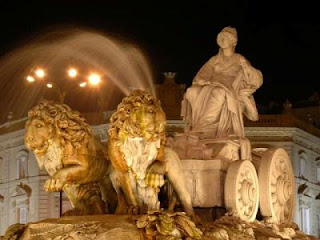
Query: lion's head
[
  {"x": 50, "y": 121},
  {"x": 138, "y": 115}
]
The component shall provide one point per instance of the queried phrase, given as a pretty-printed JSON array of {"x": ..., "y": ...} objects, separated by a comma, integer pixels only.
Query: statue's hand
[
  {"x": 54, "y": 185},
  {"x": 154, "y": 180},
  {"x": 154, "y": 177},
  {"x": 246, "y": 92},
  {"x": 244, "y": 63}
]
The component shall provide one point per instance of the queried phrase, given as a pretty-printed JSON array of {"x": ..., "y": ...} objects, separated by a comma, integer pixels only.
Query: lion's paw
[{"x": 53, "y": 185}]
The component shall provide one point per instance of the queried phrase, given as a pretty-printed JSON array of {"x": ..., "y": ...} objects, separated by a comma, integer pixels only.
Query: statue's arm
[
  {"x": 249, "y": 108},
  {"x": 253, "y": 76},
  {"x": 205, "y": 72},
  {"x": 253, "y": 80},
  {"x": 81, "y": 168},
  {"x": 78, "y": 167}
]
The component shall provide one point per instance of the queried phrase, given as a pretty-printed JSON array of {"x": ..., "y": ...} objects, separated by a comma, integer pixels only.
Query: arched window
[
  {"x": 303, "y": 164},
  {"x": 1, "y": 169},
  {"x": 318, "y": 216},
  {"x": 305, "y": 220},
  {"x": 318, "y": 169},
  {"x": 1, "y": 212},
  {"x": 20, "y": 199},
  {"x": 22, "y": 164}
]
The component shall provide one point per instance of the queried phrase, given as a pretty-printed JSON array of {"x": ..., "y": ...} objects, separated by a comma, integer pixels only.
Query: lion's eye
[{"x": 39, "y": 125}]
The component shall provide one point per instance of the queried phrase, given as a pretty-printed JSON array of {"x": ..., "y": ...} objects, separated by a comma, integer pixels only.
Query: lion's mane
[
  {"x": 122, "y": 117},
  {"x": 68, "y": 124}
]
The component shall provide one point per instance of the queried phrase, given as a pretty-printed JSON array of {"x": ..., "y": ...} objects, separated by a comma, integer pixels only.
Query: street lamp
[
  {"x": 72, "y": 72},
  {"x": 30, "y": 79},
  {"x": 94, "y": 79},
  {"x": 40, "y": 74}
]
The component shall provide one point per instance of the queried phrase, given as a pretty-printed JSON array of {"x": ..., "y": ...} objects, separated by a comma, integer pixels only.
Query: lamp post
[{"x": 40, "y": 75}]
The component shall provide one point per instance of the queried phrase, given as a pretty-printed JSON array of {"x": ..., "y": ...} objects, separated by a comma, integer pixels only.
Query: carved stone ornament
[{"x": 168, "y": 225}]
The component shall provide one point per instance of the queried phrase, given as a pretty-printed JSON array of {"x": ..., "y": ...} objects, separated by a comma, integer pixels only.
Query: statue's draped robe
[{"x": 214, "y": 106}]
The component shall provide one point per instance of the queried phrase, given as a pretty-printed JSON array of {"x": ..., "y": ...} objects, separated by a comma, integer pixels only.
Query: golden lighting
[
  {"x": 72, "y": 72},
  {"x": 40, "y": 73},
  {"x": 30, "y": 79},
  {"x": 49, "y": 85},
  {"x": 94, "y": 79},
  {"x": 83, "y": 84}
]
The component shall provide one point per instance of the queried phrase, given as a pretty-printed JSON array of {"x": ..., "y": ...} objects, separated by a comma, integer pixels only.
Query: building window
[
  {"x": 305, "y": 220},
  {"x": 318, "y": 174},
  {"x": 1, "y": 169},
  {"x": 318, "y": 225},
  {"x": 22, "y": 214},
  {"x": 318, "y": 169},
  {"x": 302, "y": 164},
  {"x": 303, "y": 167},
  {"x": 2, "y": 219},
  {"x": 20, "y": 199},
  {"x": 22, "y": 164}
]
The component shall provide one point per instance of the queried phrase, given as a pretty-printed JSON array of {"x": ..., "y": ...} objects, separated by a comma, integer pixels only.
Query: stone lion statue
[
  {"x": 66, "y": 148},
  {"x": 140, "y": 160}
]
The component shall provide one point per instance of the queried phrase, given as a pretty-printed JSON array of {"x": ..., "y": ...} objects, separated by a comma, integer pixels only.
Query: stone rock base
[
  {"x": 120, "y": 227},
  {"x": 100, "y": 227},
  {"x": 233, "y": 228}
]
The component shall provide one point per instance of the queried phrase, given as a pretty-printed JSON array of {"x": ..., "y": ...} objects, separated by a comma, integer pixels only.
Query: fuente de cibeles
[{"x": 144, "y": 184}]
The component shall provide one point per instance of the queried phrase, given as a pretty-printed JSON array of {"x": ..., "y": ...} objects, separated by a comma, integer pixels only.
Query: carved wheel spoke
[
  {"x": 276, "y": 181},
  {"x": 242, "y": 190}
]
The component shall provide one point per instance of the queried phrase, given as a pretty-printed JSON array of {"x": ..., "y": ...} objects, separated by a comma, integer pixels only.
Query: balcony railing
[{"x": 283, "y": 120}]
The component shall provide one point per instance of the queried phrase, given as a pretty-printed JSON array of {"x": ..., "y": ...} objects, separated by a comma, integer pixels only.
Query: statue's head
[
  {"x": 138, "y": 115},
  {"x": 49, "y": 121},
  {"x": 228, "y": 37}
]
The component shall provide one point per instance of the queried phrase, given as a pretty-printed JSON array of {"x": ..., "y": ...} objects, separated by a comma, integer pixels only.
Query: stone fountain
[{"x": 115, "y": 189}]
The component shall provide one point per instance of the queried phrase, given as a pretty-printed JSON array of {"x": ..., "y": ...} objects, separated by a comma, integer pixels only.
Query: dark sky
[{"x": 180, "y": 37}]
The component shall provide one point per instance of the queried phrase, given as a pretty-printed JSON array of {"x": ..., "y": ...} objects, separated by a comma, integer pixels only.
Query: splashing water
[{"x": 118, "y": 62}]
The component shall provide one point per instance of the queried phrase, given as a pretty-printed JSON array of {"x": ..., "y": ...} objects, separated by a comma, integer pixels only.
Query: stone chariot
[
  {"x": 220, "y": 167},
  {"x": 243, "y": 187}
]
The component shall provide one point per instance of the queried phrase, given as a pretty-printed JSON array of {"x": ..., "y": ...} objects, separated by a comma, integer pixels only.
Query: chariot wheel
[
  {"x": 241, "y": 190},
  {"x": 276, "y": 182}
]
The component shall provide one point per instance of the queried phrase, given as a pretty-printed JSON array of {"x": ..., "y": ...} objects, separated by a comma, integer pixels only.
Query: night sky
[{"x": 179, "y": 37}]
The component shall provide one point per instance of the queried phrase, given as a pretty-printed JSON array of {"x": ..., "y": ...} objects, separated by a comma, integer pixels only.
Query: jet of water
[{"x": 120, "y": 63}]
